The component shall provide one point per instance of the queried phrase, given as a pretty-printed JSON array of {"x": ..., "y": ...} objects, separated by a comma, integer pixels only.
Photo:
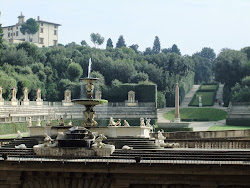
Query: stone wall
[
  {"x": 21, "y": 113},
  {"x": 238, "y": 113}
]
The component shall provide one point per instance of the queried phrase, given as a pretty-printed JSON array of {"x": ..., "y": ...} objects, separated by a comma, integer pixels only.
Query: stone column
[
  {"x": 177, "y": 110},
  {"x": 1, "y": 96}
]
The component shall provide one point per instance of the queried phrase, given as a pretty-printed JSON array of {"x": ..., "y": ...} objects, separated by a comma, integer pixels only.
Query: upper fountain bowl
[
  {"x": 90, "y": 101},
  {"x": 89, "y": 80}
]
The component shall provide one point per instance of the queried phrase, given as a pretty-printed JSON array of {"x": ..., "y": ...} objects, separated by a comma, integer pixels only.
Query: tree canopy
[
  {"x": 157, "y": 45},
  {"x": 97, "y": 39},
  {"x": 121, "y": 42},
  {"x": 30, "y": 27},
  {"x": 109, "y": 43}
]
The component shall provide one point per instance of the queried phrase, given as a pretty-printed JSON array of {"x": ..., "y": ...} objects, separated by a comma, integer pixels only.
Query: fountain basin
[{"x": 90, "y": 101}]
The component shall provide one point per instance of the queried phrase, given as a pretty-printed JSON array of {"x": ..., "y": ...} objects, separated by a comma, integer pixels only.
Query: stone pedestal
[
  {"x": 200, "y": 104},
  {"x": 39, "y": 102},
  {"x": 65, "y": 103},
  {"x": 26, "y": 103},
  {"x": 2, "y": 103},
  {"x": 177, "y": 120},
  {"x": 14, "y": 102}
]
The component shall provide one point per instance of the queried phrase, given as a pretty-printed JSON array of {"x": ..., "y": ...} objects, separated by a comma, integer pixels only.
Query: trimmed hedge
[
  {"x": 143, "y": 92},
  {"x": 199, "y": 119},
  {"x": 238, "y": 121},
  {"x": 11, "y": 128},
  {"x": 208, "y": 86},
  {"x": 174, "y": 129}
]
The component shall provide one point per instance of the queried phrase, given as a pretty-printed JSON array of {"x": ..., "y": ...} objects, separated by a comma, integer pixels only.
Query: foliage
[
  {"x": 30, "y": 27},
  {"x": 207, "y": 53},
  {"x": 175, "y": 49},
  {"x": 211, "y": 114},
  {"x": 161, "y": 100},
  {"x": 240, "y": 93},
  {"x": 84, "y": 43},
  {"x": 96, "y": 38},
  {"x": 109, "y": 43},
  {"x": 121, "y": 42},
  {"x": 135, "y": 48},
  {"x": 1, "y": 35},
  {"x": 74, "y": 71},
  {"x": 157, "y": 45}
]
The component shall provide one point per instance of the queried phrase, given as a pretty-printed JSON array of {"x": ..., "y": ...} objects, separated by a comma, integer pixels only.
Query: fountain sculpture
[{"x": 89, "y": 103}]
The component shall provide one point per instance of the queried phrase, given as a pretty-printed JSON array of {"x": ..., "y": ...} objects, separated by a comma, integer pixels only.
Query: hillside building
[{"x": 46, "y": 36}]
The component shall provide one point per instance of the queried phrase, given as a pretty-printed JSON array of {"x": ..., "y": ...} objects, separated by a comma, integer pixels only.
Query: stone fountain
[{"x": 89, "y": 103}]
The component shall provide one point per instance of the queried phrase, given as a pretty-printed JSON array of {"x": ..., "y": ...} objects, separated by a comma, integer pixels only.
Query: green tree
[
  {"x": 208, "y": 53},
  {"x": 166, "y": 50},
  {"x": 157, "y": 45},
  {"x": 74, "y": 71},
  {"x": 175, "y": 49},
  {"x": 30, "y": 27},
  {"x": 97, "y": 39},
  {"x": 134, "y": 47},
  {"x": 109, "y": 43},
  {"x": 84, "y": 43},
  {"x": 148, "y": 51},
  {"x": 121, "y": 42}
]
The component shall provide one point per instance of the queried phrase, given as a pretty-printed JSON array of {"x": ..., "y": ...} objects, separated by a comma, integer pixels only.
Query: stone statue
[
  {"x": 13, "y": 94},
  {"x": 70, "y": 123},
  {"x": 25, "y": 94},
  {"x": 118, "y": 123},
  {"x": 160, "y": 135},
  {"x": 131, "y": 96},
  {"x": 61, "y": 122},
  {"x": 29, "y": 122},
  {"x": 148, "y": 122},
  {"x": 49, "y": 122},
  {"x": 38, "y": 94},
  {"x": 19, "y": 135},
  {"x": 126, "y": 124},
  {"x": 47, "y": 140},
  {"x": 142, "y": 123},
  {"x": 111, "y": 121},
  {"x": 200, "y": 99},
  {"x": 38, "y": 122},
  {"x": 89, "y": 89},
  {"x": 98, "y": 142}
]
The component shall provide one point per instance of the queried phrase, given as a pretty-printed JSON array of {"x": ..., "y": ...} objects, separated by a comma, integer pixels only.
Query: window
[
  {"x": 55, "y": 32},
  {"x": 41, "y": 30},
  {"x": 16, "y": 33},
  {"x": 55, "y": 26},
  {"x": 8, "y": 28},
  {"x": 41, "y": 40},
  {"x": 41, "y": 24},
  {"x": 55, "y": 42},
  {"x": 31, "y": 39},
  {"x": 8, "y": 34},
  {"x": 16, "y": 27}
]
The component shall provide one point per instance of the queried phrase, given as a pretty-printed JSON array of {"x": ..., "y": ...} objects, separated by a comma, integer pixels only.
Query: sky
[{"x": 190, "y": 24}]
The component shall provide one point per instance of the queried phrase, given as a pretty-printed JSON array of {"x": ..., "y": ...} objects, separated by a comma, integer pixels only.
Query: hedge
[
  {"x": 143, "y": 92},
  {"x": 216, "y": 86},
  {"x": 175, "y": 129},
  {"x": 238, "y": 121}
]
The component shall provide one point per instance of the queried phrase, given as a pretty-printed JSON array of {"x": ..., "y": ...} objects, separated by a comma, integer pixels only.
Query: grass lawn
[
  {"x": 208, "y": 87},
  {"x": 212, "y": 114},
  {"x": 207, "y": 98},
  {"x": 13, "y": 135},
  {"x": 227, "y": 127}
]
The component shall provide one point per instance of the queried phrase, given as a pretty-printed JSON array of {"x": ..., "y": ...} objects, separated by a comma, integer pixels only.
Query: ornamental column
[{"x": 177, "y": 107}]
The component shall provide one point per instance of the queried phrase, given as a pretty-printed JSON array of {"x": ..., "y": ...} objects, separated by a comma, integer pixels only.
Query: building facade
[{"x": 46, "y": 36}]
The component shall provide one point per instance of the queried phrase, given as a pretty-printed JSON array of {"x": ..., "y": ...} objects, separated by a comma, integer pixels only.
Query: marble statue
[
  {"x": 89, "y": 89},
  {"x": 1, "y": 93},
  {"x": 160, "y": 135},
  {"x": 38, "y": 122},
  {"x": 47, "y": 140},
  {"x": 200, "y": 99},
  {"x": 111, "y": 121},
  {"x": 49, "y": 122},
  {"x": 98, "y": 141},
  {"x": 70, "y": 123},
  {"x": 13, "y": 94},
  {"x": 148, "y": 122},
  {"x": 29, "y": 122},
  {"x": 19, "y": 135},
  {"x": 126, "y": 147},
  {"x": 61, "y": 122},
  {"x": 21, "y": 146},
  {"x": 142, "y": 123},
  {"x": 118, "y": 123},
  {"x": 126, "y": 124},
  {"x": 25, "y": 94},
  {"x": 38, "y": 94}
]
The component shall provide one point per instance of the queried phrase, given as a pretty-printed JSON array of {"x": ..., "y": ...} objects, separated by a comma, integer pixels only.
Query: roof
[{"x": 39, "y": 21}]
